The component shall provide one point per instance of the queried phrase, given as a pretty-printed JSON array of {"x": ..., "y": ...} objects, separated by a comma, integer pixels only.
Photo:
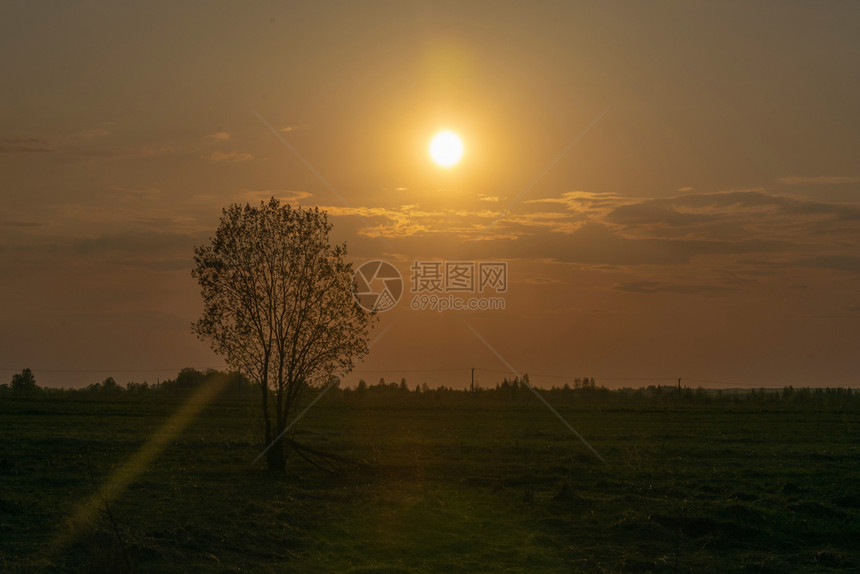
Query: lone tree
[{"x": 279, "y": 306}]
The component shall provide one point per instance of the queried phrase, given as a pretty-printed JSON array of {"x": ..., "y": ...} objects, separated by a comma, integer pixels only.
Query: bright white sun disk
[{"x": 446, "y": 149}]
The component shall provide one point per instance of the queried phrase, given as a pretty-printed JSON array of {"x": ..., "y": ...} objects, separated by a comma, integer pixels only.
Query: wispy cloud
[
  {"x": 254, "y": 196},
  {"x": 135, "y": 152},
  {"x": 94, "y": 133},
  {"x": 144, "y": 249},
  {"x": 834, "y": 261},
  {"x": 733, "y": 215},
  {"x": 140, "y": 191},
  {"x": 819, "y": 180},
  {"x": 724, "y": 231},
  {"x": 128, "y": 213},
  {"x": 218, "y": 136},
  {"x": 24, "y": 145},
  {"x": 647, "y": 287},
  {"x": 541, "y": 280},
  {"x": 390, "y": 223},
  {"x": 136, "y": 241},
  {"x": 22, "y": 224},
  {"x": 232, "y": 156}
]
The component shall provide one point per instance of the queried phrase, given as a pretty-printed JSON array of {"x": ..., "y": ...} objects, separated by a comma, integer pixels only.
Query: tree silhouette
[
  {"x": 279, "y": 306},
  {"x": 24, "y": 382}
]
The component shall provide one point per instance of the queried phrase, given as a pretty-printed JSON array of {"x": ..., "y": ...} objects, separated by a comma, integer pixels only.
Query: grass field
[{"x": 463, "y": 486}]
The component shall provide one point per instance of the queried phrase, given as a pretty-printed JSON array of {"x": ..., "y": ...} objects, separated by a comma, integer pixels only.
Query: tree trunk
[{"x": 275, "y": 459}]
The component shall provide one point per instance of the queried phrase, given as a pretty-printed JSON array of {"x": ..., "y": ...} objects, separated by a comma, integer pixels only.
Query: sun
[{"x": 446, "y": 149}]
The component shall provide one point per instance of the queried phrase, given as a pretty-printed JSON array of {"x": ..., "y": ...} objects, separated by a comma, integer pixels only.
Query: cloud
[
  {"x": 155, "y": 264},
  {"x": 541, "y": 280},
  {"x": 837, "y": 262},
  {"x": 231, "y": 157},
  {"x": 93, "y": 133},
  {"x": 218, "y": 136},
  {"x": 24, "y": 145},
  {"x": 818, "y": 180},
  {"x": 684, "y": 189},
  {"x": 151, "y": 250},
  {"x": 675, "y": 288},
  {"x": 255, "y": 196},
  {"x": 144, "y": 249},
  {"x": 385, "y": 222},
  {"x": 22, "y": 224},
  {"x": 488, "y": 198},
  {"x": 136, "y": 242},
  {"x": 144, "y": 151},
  {"x": 583, "y": 204},
  {"x": 741, "y": 237},
  {"x": 598, "y": 244},
  {"x": 141, "y": 191},
  {"x": 734, "y": 215},
  {"x": 658, "y": 213},
  {"x": 287, "y": 129}
]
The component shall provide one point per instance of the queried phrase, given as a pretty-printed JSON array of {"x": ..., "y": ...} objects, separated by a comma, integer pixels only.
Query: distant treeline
[
  {"x": 582, "y": 392},
  {"x": 585, "y": 392},
  {"x": 186, "y": 382}
]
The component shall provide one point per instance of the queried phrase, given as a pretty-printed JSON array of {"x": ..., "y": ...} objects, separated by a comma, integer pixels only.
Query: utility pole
[
  {"x": 472, "y": 388},
  {"x": 679, "y": 383}
]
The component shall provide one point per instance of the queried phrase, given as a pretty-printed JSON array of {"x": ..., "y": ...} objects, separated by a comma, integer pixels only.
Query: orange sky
[{"x": 705, "y": 225}]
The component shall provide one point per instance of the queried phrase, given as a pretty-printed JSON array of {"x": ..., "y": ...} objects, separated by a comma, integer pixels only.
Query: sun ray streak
[
  {"x": 376, "y": 233},
  {"x": 139, "y": 462},
  {"x": 537, "y": 394},
  {"x": 313, "y": 402},
  {"x": 540, "y": 176}
]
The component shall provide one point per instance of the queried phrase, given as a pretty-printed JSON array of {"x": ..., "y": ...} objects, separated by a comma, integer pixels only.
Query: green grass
[{"x": 688, "y": 488}]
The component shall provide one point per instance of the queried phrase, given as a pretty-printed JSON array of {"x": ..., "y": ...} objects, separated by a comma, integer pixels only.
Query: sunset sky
[{"x": 674, "y": 185}]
